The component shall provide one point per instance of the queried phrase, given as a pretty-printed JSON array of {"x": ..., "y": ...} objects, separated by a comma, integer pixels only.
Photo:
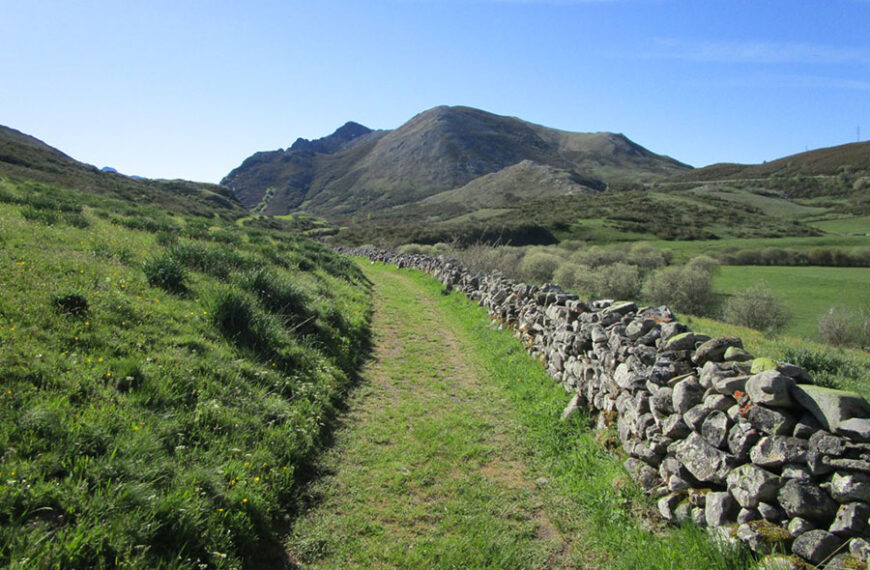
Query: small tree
[{"x": 757, "y": 308}]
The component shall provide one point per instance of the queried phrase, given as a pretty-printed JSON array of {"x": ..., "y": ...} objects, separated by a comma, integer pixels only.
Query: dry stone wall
[{"x": 745, "y": 446}]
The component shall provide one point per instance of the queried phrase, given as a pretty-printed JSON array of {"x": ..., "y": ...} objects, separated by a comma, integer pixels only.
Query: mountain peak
[{"x": 344, "y": 134}]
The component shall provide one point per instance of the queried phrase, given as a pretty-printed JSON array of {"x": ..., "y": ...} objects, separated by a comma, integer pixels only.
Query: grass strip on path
[{"x": 454, "y": 457}]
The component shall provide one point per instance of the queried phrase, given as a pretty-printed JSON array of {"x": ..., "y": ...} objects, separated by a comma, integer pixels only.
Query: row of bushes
[{"x": 825, "y": 256}]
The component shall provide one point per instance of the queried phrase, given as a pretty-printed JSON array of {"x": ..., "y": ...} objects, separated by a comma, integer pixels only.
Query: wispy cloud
[{"x": 757, "y": 52}]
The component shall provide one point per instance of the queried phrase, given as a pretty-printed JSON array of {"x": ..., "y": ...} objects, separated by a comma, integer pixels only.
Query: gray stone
[
  {"x": 856, "y": 429},
  {"x": 803, "y": 499},
  {"x": 776, "y": 450},
  {"x": 671, "y": 329},
  {"x": 771, "y": 512},
  {"x": 677, "y": 483},
  {"x": 831, "y": 407},
  {"x": 620, "y": 308},
  {"x": 773, "y": 422},
  {"x": 686, "y": 394},
  {"x": 847, "y": 487},
  {"x": 852, "y": 520},
  {"x": 748, "y": 515},
  {"x": 639, "y": 327},
  {"x": 669, "y": 503},
  {"x": 694, "y": 417},
  {"x": 599, "y": 335},
  {"x": 674, "y": 427},
  {"x": 685, "y": 341},
  {"x": 770, "y": 388},
  {"x": 806, "y": 426},
  {"x": 796, "y": 372},
  {"x": 714, "y": 349},
  {"x": 735, "y": 354},
  {"x": 720, "y": 509},
  {"x": 729, "y": 385},
  {"x": 816, "y": 545},
  {"x": 703, "y": 461},
  {"x": 741, "y": 438},
  {"x": 797, "y": 526},
  {"x": 715, "y": 429},
  {"x": 661, "y": 403},
  {"x": 644, "y": 475},
  {"x": 698, "y": 517},
  {"x": 859, "y": 548},
  {"x": 718, "y": 402},
  {"x": 750, "y": 485},
  {"x": 796, "y": 471}
]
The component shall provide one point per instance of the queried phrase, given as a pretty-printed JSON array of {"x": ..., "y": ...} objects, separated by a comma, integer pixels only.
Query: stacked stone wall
[{"x": 747, "y": 447}]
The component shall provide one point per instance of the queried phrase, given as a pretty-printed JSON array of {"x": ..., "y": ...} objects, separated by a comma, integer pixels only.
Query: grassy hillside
[
  {"x": 23, "y": 156},
  {"x": 167, "y": 380}
]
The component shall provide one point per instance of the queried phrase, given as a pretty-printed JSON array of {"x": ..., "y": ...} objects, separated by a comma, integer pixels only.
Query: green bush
[
  {"x": 566, "y": 275},
  {"x": 757, "y": 308},
  {"x": 538, "y": 266},
  {"x": 618, "y": 280},
  {"x": 685, "y": 288},
  {"x": 166, "y": 272}
]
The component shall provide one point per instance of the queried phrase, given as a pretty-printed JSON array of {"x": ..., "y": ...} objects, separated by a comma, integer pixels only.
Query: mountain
[
  {"x": 358, "y": 170},
  {"x": 829, "y": 161},
  {"x": 26, "y": 157}
]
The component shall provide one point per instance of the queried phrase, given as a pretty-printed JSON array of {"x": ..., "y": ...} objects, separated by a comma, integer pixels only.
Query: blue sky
[{"x": 189, "y": 88}]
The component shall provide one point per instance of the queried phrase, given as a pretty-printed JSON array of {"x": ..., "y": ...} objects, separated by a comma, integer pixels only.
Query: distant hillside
[
  {"x": 855, "y": 157},
  {"x": 24, "y": 156},
  {"x": 357, "y": 170}
]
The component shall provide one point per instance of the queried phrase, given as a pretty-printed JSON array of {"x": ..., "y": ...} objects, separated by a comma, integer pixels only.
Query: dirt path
[{"x": 428, "y": 470}]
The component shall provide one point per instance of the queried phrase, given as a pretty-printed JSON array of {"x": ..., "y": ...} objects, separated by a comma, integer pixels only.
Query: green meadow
[{"x": 808, "y": 292}]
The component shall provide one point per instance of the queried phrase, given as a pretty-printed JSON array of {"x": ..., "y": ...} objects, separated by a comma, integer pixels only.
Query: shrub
[
  {"x": 71, "y": 304},
  {"x": 684, "y": 288},
  {"x": 619, "y": 280},
  {"x": 837, "y": 328},
  {"x": 415, "y": 249},
  {"x": 538, "y": 266},
  {"x": 646, "y": 257},
  {"x": 757, "y": 308},
  {"x": 166, "y": 272},
  {"x": 704, "y": 263},
  {"x": 566, "y": 275}
]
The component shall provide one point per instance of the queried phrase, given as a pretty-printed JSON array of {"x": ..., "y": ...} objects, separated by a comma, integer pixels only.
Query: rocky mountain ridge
[{"x": 357, "y": 170}]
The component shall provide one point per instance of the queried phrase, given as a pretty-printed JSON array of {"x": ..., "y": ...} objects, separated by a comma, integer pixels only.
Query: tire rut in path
[{"x": 427, "y": 470}]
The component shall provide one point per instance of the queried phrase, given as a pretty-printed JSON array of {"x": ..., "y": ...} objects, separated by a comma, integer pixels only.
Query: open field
[
  {"x": 852, "y": 226},
  {"x": 807, "y": 291}
]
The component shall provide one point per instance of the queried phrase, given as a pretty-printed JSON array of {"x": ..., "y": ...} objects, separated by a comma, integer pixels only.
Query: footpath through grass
[{"x": 453, "y": 456}]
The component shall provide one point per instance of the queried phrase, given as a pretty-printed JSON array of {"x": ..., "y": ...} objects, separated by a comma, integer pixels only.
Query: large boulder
[{"x": 831, "y": 407}]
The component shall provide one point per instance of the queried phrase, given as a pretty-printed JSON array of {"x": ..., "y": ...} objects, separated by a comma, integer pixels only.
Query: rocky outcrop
[{"x": 746, "y": 446}]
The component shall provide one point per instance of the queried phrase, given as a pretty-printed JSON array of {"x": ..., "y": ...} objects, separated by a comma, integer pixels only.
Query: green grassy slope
[
  {"x": 166, "y": 380},
  {"x": 23, "y": 156}
]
